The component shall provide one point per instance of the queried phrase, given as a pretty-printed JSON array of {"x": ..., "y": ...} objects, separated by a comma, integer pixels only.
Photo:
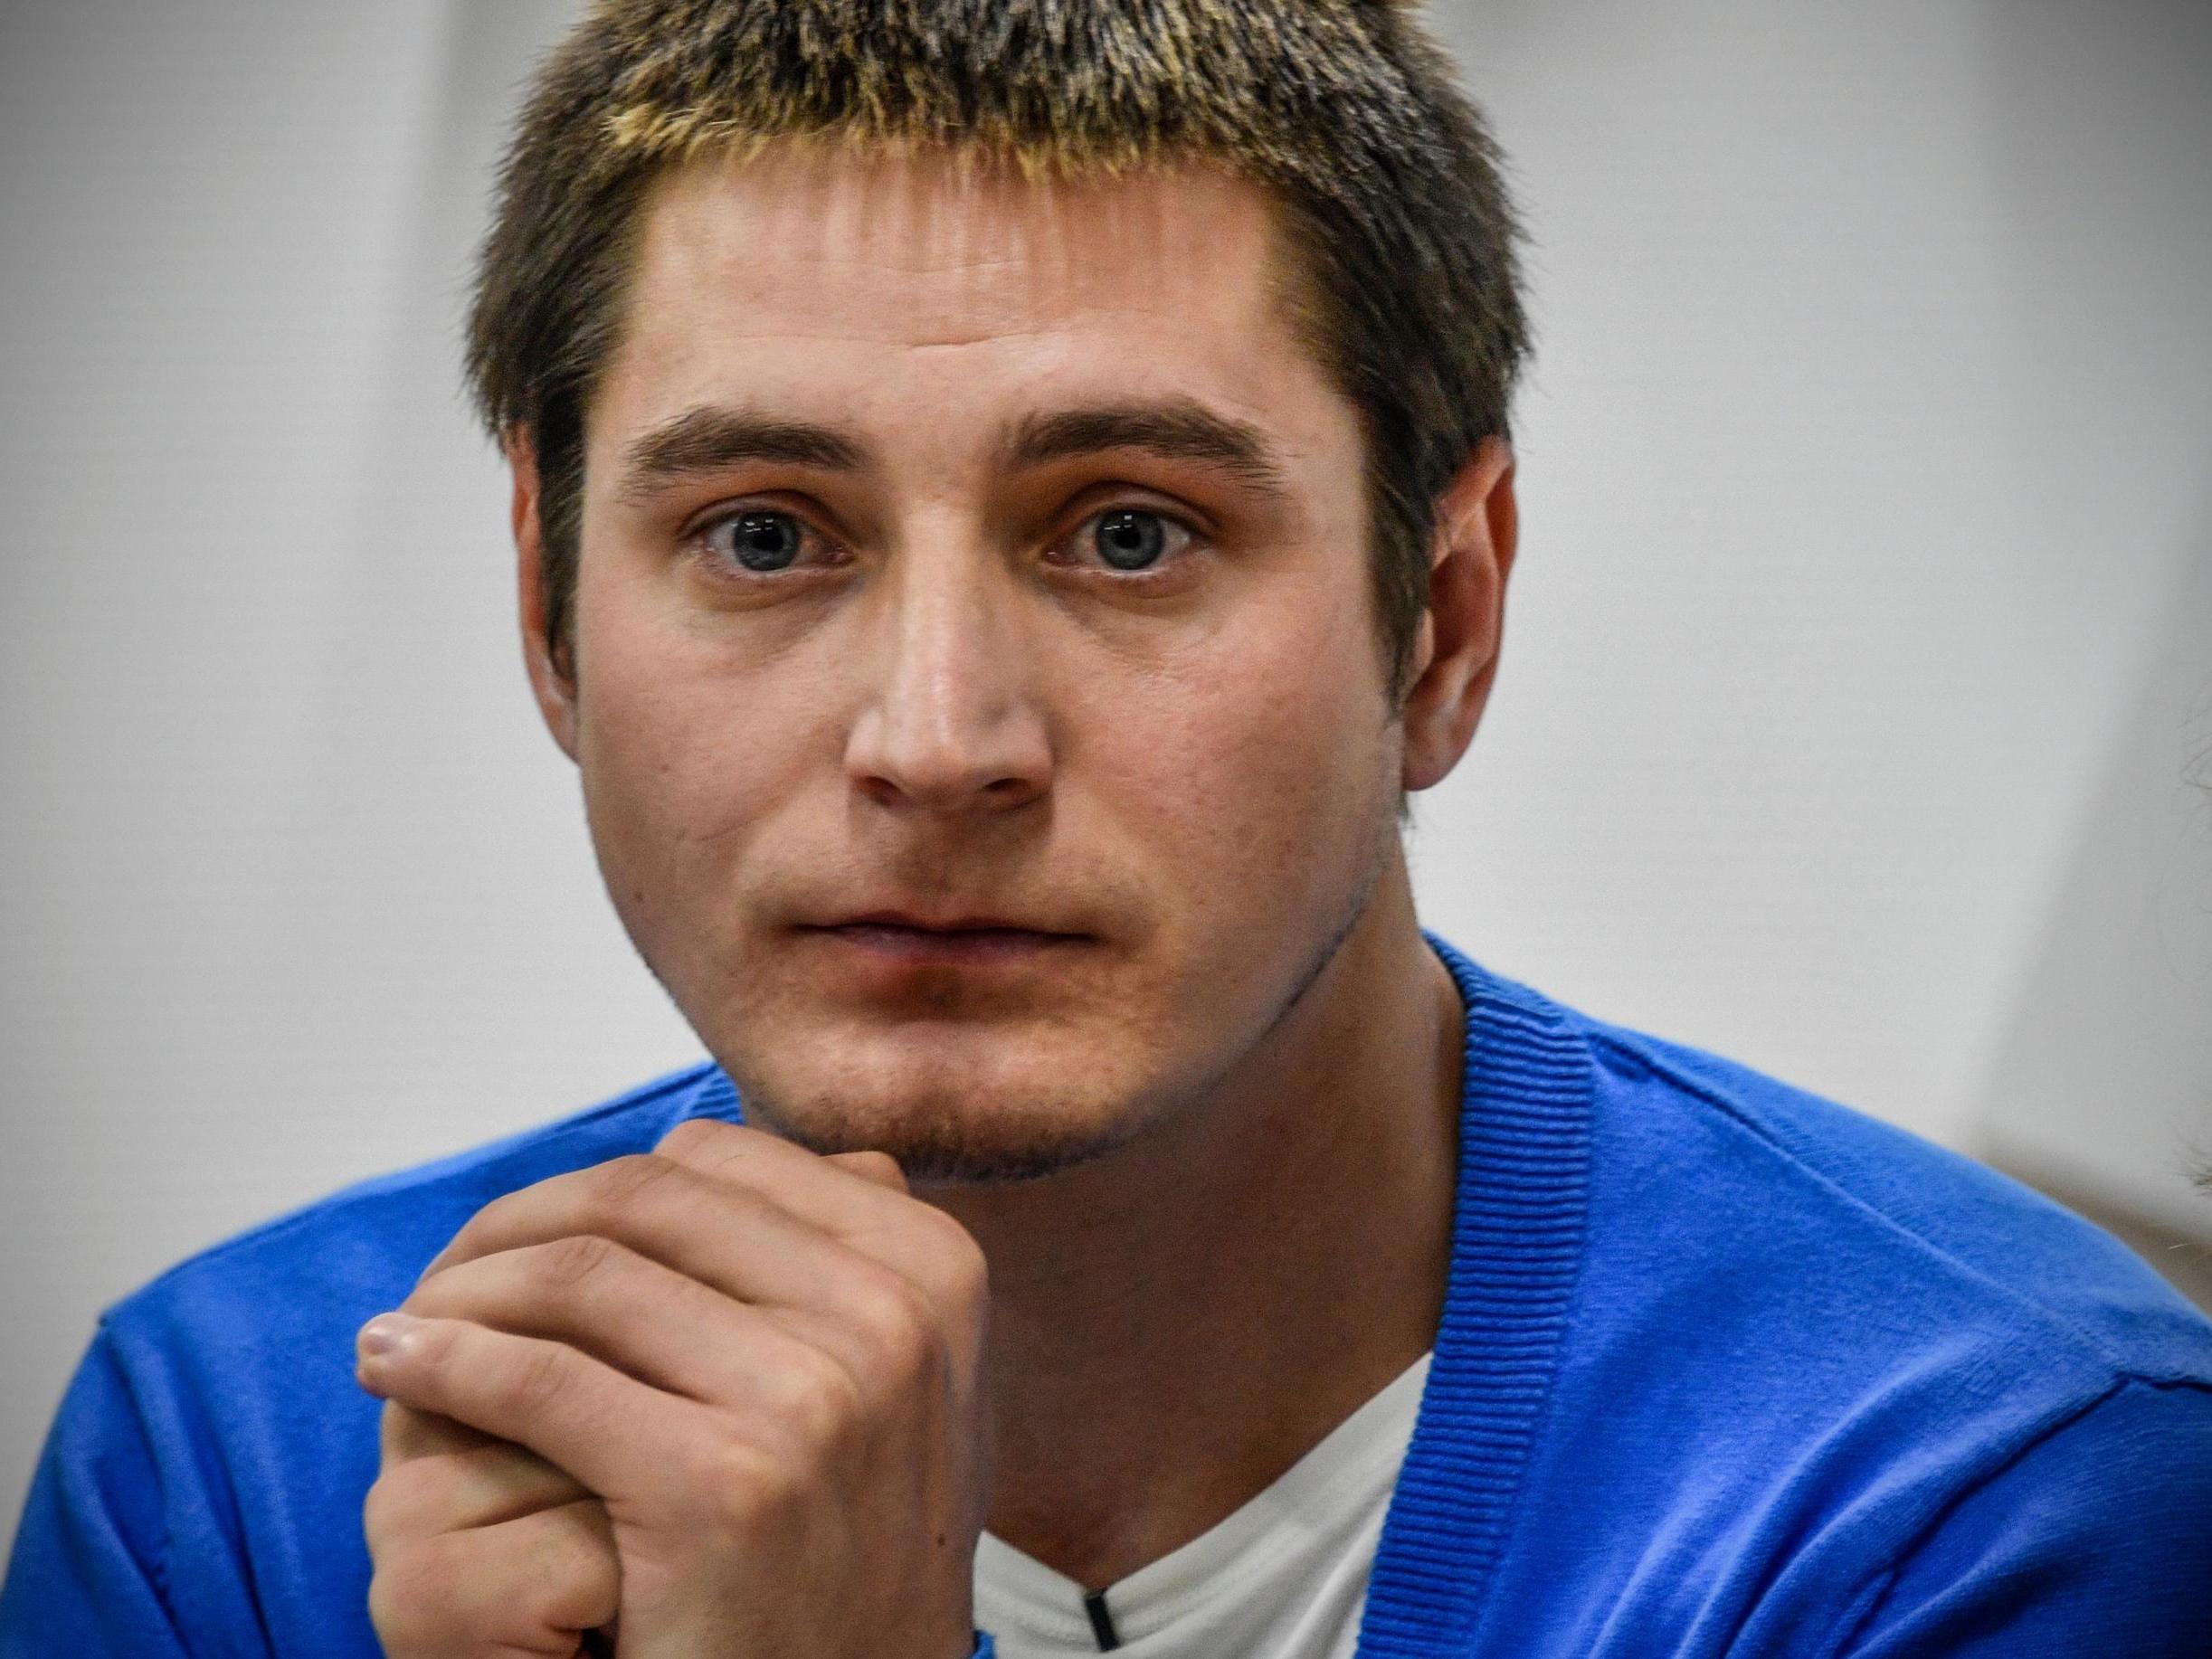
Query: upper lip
[{"x": 940, "y": 924}]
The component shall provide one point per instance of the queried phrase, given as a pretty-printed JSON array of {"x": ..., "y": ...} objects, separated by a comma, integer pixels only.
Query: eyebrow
[
  {"x": 1180, "y": 428},
  {"x": 711, "y": 438}
]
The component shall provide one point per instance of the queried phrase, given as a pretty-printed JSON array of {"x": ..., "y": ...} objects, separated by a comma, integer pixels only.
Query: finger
[
  {"x": 451, "y": 1492},
  {"x": 843, "y": 1199},
  {"x": 618, "y": 1437},
  {"x": 650, "y": 1203},
  {"x": 870, "y": 1165},
  {"x": 862, "y": 1208},
  {"x": 732, "y": 1239},
  {"x": 532, "y": 1584},
  {"x": 643, "y": 1318},
  {"x": 404, "y": 1434}
]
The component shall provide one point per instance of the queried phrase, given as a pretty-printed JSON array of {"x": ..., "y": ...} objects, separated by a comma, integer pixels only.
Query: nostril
[{"x": 994, "y": 759}]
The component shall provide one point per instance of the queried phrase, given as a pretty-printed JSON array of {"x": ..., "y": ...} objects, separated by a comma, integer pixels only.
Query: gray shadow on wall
[
  {"x": 2101, "y": 1091},
  {"x": 2099, "y": 1086}
]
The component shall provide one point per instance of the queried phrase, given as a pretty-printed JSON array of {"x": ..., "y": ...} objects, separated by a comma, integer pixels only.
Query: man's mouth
[{"x": 891, "y": 937}]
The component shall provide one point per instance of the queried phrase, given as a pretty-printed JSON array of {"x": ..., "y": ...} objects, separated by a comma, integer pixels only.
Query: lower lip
[{"x": 921, "y": 946}]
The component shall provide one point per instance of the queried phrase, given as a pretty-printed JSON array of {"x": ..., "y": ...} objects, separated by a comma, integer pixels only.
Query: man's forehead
[
  {"x": 821, "y": 282},
  {"x": 908, "y": 245}
]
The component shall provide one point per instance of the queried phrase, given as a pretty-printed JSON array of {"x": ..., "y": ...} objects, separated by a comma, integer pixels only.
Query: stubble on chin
[{"x": 945, "y": 1140}]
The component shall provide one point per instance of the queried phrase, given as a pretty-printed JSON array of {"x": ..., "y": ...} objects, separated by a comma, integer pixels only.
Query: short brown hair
[{"x": 1346, "y": 110}]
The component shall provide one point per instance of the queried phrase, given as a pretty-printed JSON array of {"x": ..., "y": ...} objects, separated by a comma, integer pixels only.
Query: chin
[{"x": 947, "y": 1120}]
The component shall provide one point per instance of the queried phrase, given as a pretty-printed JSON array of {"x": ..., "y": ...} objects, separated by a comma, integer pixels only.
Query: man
[{"x": 1008, "y": 499}]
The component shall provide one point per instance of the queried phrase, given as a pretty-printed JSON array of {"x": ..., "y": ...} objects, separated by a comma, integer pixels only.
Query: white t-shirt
[{"x": 1282, "y": 1577}]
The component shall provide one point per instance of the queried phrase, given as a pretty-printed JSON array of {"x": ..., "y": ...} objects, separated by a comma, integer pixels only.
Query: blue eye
[
  {"x": 761, "y": 540},
  {"x": 1128, "y": 538}
]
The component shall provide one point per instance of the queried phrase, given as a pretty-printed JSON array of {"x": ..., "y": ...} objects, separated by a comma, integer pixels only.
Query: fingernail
[{"x": 384, "y": 1336}]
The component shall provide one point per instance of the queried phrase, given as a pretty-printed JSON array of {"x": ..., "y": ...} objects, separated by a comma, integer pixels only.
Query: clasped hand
[{"x": 721, "y": 1398}]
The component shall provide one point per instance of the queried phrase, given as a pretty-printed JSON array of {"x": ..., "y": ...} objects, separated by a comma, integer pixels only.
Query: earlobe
[
  {"x": 1471, "y": 559},
  {"x": 548, "y": 660}
]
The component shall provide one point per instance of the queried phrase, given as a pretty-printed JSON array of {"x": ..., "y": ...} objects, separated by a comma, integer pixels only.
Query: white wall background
[{"x": 1860, "y": 646}]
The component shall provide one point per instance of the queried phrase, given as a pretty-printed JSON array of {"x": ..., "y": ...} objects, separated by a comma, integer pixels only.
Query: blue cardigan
[{"x": 1723, "y": 1368}]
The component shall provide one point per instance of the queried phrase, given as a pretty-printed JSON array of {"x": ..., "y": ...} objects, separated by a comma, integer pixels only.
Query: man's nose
[{"x": 950, "y": 723}]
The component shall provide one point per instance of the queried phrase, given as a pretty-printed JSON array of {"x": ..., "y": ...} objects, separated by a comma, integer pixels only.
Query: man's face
[{"x": 979, "y": 705}]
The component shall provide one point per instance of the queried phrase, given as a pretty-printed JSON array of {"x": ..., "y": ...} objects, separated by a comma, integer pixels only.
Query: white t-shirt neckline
[{"x": 1305, "y": 1539}]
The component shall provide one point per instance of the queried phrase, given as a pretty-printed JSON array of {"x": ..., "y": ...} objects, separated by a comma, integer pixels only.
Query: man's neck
[{"x": 1176, "y": 1324}]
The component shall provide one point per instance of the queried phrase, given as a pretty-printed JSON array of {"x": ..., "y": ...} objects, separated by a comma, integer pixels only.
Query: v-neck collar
[{"x": 1518, "y": 1224}]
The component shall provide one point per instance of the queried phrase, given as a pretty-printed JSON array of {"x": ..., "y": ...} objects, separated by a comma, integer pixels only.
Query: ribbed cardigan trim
[
  {"x": 1518, "y": 1224},
  {"x": 1518, "y": 1221}
]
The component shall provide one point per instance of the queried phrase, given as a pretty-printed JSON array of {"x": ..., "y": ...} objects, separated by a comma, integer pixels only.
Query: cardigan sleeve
[
  {"x": 87, "y": 1576},
  {"x": 2096, "y": 1541}
]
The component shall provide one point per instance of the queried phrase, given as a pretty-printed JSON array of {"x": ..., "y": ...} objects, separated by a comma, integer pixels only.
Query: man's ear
[
  {"x": 550, "y": 661},
  {"x": 1455, "y": 648}
]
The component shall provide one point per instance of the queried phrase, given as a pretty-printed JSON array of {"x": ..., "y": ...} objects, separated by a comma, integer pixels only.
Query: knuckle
[
  {"x": 893, "y": 1314},
  {"x": 535, "y": 1376},
  {"x": 965, "y": 1269},
  {"x": 818, "y": 1401},
  {"x": 567, "y": 1263},
  {"x": 691, "y": 1135},
  {"x": 750, "y": 1486},
  {"x": 571, "y": 1585},
  {"x": 397, "y": 1502},
  {"x": 873, "y": 1164},
  {"x": 453, "y": 1292},
  {"x": 494, "y": 1227},
  {"x": 467, "y": 1243},
  {"x": 619, "y": 1182},
  {"x": 413, "y": 1589}
]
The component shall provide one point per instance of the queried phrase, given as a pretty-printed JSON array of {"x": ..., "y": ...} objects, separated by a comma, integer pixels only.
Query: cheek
[
  {"x": 1264, "y": 767},
  {"x": 684, "y": 753}
]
